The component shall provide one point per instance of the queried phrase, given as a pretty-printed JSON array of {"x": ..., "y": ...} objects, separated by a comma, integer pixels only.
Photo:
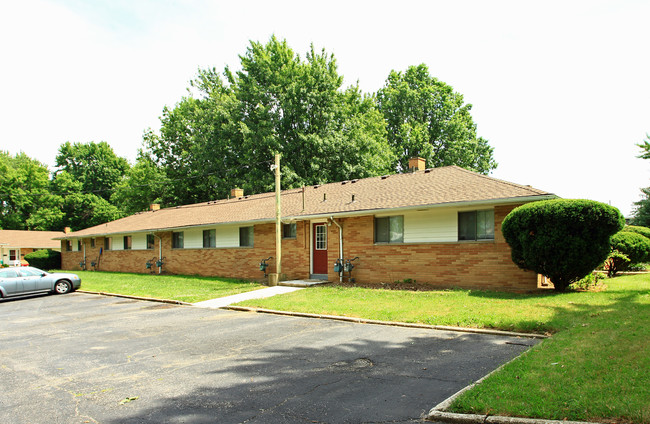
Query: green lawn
[
  {"x": 596, "y": 367},
  {"x": 185, "y": 288},
  {"x": 546, "y": 312}
]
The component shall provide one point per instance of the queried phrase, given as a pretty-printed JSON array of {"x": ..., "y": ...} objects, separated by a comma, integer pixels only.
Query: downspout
[
  {"x": 159, "y": 250},
  {"x": 340, "y": 246},
  {"x": 84, "y": 245}
]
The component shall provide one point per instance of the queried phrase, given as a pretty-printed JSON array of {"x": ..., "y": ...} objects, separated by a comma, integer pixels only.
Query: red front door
[{"x": 320, "y": 249}]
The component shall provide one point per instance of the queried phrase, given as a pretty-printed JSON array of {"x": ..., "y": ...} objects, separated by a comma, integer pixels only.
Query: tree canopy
[
  {"x": 642, "y": 207},
  {"x": 226, "y": 130},
  {"x": 425, "y": 117},
  {"x": 94, "y": 165}
]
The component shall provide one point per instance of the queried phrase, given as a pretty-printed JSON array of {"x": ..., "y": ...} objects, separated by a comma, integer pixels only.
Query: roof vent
[
  {"x": 426, "y": 171},
  {"x": 383, "y": 177},
  {"x": 344, "y": 182},
  {"x": 355, "y": 180},
  {"x": 316, "y": 186}
]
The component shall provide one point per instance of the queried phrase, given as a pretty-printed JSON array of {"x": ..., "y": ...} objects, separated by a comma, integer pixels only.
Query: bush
[
  {"x": 561, "y": 239},
  {"x": 591, "y": 281},
  {"x": 633, "y": 245},
  {"x": 44, "y": 259},
  {"x": 644, "y": 231}
]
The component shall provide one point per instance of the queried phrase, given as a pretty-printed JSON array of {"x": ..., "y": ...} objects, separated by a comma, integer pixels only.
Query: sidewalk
[{"x": 255, "y": 294}]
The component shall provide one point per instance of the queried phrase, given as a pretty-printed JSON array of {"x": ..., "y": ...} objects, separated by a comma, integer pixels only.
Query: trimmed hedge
[
  {"x": 45, "y": 259},
  {"x": 562, "y": 239},
  {"x": 644, "y": 231},
  {"x": 633, "y": 245}
]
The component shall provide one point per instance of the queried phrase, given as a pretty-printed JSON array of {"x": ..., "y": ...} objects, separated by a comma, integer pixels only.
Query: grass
[
  {"x": 596, "y": 367},
  {"x": 184, "y": 288},
  {"x": 535, "y": 313}
]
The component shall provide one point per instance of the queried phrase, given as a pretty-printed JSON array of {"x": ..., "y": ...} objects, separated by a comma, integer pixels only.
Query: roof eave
[{"x": 471, "y": 203}]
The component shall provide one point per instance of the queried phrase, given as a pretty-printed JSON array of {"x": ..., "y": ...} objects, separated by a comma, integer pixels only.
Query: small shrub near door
[{"x": 45, "y": 259}]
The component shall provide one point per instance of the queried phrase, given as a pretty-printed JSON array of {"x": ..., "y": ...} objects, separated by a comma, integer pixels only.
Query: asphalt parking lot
[{"x": 82, "y": 358}]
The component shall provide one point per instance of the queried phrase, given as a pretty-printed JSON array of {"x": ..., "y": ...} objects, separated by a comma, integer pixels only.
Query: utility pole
[{"x": 278, "y": 222}]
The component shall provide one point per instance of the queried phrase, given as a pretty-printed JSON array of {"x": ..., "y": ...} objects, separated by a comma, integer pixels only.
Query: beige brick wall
[{"x": 464, "y": 264}]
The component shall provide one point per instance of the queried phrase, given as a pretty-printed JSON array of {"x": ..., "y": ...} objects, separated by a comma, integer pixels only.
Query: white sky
[{"x": 561, "y": 89}]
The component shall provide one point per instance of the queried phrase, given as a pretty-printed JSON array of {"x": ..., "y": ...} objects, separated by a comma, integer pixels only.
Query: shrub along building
[
  {"x": 438, "y": 226},
  {"x": 15, "y": 244}
]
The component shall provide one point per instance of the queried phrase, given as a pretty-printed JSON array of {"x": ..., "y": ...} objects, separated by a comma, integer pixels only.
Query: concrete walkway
[{"x": 255, "y": 294}]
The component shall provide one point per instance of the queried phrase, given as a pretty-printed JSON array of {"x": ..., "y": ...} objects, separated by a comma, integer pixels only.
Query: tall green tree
[
  {"x": 145, "y": 183},
  {"x": 23, "y": 183},
  {"x": 225, "y": 133},
  {"x": 425, "y": 117},
  {"x": 642, "y": 207},
  {"x": 94, "y": 165}
]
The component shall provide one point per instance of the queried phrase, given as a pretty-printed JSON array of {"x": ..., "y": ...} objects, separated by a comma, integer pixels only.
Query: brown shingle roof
[
  {"x": 31, "y": 239},
  {"x": 431, "y": 187}
]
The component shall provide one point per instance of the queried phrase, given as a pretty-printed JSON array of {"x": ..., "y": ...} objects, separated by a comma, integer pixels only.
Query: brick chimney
[
  {"x": 416, "y": 164},
  {"x": 154, "y": 207},
  {"x": 67, "y": 230},
  {"x": 237, "y": 192}
]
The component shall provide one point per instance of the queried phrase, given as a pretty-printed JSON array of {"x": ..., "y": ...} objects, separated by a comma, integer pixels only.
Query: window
[
  {"x": 321, "y": 237},
  {"x": 92, "y": 243},
  {"x": 25, "y": 272},
  {"x": 289, "y": 231},
  {"x": 150, "y": 241},
  {"x": 68, "y": 245},
  {"x": 476, "y": 225},
  {"x": 209, "y": 238},
  {"x": 246, "y": 236},
  {"x": 8, "y": 273},
  {"x": 79, "y": 248},
  {"x": 177, "y": 240},
  {"x": 389, "y": 229},
  {"x": 128, "y": 242},
  {"x": 107, "y": 243}
]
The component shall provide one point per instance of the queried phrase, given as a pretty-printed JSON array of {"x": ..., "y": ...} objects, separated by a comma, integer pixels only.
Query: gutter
[{"x": 340, "y": 247}]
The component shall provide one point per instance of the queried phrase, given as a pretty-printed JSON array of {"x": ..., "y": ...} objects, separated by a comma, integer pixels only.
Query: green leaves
[
  {"x": 562, "y": 239},
  {"x": 426, "y": 118}
]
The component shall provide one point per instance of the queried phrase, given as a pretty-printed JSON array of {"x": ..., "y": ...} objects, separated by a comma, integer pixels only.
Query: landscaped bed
[
  {"x": 596, "y": 367},
  {"x": 185, "y": 288}
]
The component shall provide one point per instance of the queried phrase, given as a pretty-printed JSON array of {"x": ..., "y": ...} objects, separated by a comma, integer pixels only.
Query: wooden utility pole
[{"x": 278, "y": 222}]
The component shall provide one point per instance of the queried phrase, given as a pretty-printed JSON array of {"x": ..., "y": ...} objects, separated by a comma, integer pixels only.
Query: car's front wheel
[{"x": 62, "y": 287}]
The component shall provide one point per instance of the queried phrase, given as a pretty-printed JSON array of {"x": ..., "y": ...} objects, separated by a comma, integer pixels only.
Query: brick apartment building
[{"x": 438, "y": 226}]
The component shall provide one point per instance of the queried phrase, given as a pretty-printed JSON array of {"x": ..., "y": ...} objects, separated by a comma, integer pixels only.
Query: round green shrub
[
  {"x": 45, "y": 259},
  {"x": 562, "y": 239},
  {"x": 644, "y": 231},
  {"x": 635, "y": 246}
]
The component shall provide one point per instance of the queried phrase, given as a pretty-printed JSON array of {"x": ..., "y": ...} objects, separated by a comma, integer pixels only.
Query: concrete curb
[
  {"x": 391, "y": 323},
  {"x": 150, "y": 299},
  {"x": 437, "y": 413}
]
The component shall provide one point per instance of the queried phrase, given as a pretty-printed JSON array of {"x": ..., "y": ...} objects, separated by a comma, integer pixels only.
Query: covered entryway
[{"x": 319, "y": 251}]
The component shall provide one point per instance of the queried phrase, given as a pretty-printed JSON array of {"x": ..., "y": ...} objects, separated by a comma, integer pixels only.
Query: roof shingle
[{"x": 431, "y": 187}]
